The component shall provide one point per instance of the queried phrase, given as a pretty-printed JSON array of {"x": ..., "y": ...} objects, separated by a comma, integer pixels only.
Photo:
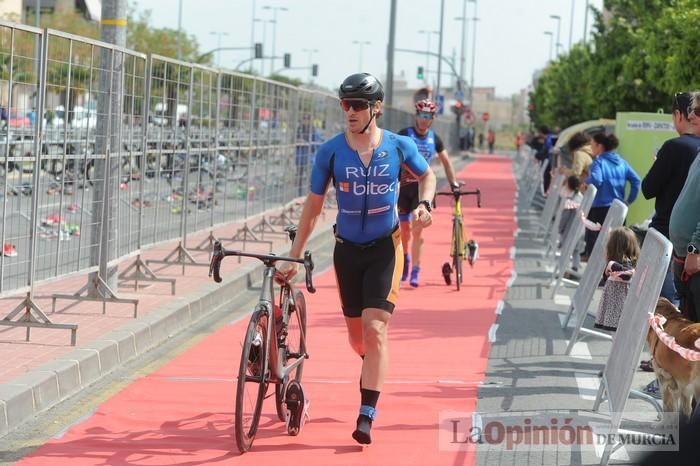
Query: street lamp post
[
  {"x": 551, "y": 42},
  {"x": 571, "y": 26},
  {"x": 179, "y": 30},
  {"x": 439, "y": 67},
  {"x": 462, "y": 59},
  {"x": 585, "y": 22},
  {"x": 361, "y": 43},
  {"x": 311, "y": 60},
  {"x": 471, "y": 80},
  {"x": 558, "y": 18},
  {"x": 427, "y": 53},
  {"x": 274, "y": 32},
  {"x": 252, "y": 31},
  {"x": 218, "y": 45},
  {"x": 264, "y": 23}
]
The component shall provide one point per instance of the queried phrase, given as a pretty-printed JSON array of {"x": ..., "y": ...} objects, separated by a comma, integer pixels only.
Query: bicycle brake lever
[
  {"x": 215, "y": 264},
  {"x": 309, "y": 267}
]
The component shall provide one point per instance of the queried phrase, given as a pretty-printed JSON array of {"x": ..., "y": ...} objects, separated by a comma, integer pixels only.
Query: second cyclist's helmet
[
  {"x": 426, "y": 106},
  {"x": 361, "y": 86}
]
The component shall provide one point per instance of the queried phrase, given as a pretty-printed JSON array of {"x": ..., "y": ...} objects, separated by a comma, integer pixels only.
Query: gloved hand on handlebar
[{"x": 455, "y": 187}]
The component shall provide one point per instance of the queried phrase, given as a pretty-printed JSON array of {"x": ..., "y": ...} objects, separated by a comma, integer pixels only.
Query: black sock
[{"x": 369, "y": 397}]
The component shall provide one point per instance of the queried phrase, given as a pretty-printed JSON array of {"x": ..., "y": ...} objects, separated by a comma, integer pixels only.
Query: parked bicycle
[
  {"x": 459, "y": 249},
  {"x": 274, "y": 347}
]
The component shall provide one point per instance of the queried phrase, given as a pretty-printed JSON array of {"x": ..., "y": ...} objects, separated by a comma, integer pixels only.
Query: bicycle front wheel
[
  {"x": 458, "y": 253},
  {"x": 252, "y": 381},
  {"x": 295, "y": 342}
]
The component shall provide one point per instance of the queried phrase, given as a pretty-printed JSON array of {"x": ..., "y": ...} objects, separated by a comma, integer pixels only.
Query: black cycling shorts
[
  {"x": 408, "y": 198},
  {"x": 368, "y": 275}
]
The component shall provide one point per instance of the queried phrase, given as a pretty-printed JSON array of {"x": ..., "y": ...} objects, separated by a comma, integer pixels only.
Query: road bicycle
[
  {"x": 274, "y": 347},
  {"x": 459, "y": 249}
]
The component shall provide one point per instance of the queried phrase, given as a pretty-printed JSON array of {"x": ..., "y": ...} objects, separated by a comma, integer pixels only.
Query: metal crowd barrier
[
  {"x": 571, "y": 237},
  {"x": 597, "y": 261},
  {"x": 107, "y": 151},
  {"x": 631, "y": 333}
]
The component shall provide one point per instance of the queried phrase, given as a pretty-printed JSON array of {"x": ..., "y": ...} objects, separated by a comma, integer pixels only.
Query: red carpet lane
[{"x": 183, "y": 413}]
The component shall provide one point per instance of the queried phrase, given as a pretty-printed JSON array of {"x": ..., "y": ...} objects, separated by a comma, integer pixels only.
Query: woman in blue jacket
[{"x": 609, "y": 174}]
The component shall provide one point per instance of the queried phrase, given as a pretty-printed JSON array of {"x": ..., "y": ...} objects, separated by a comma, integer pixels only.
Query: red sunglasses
[{"x": 356, "y": 104}]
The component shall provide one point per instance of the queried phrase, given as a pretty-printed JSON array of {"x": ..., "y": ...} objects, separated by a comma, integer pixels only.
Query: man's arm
[
  {"x": 426, "y": 191},
  {"x": 658, "y": 175},
  {"x": 692, "y": 261},
  {"x": 449, "y": 169},
  {"x": 426, "y": 185}
]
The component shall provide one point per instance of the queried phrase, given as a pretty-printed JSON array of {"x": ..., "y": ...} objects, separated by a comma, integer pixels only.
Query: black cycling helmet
[{"x": 361, "y": 86}]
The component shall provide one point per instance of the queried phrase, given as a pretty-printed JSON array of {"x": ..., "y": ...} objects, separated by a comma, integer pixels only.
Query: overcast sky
[{"x": 511, "y": 43}]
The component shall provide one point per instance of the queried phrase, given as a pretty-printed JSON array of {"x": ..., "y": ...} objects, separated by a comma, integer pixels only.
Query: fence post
[
  {"x": 139, "y": 270},
  {"x": 245, "y": 234},
  {"x": 97, "y": 289},
  {"x": 180, "y": 254},
  {"x": 30, "y": 314}
]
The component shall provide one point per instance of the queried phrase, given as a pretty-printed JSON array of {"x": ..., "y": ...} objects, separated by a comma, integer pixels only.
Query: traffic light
[
  {"x": 419, "y": 74},
  {"x": 258, "y": 50},
  {"x": 287, "y": 60},
  {"x": 314, "y": 70}
]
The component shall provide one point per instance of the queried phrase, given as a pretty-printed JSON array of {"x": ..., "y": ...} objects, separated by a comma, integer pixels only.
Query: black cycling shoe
[
  {"x": 297, "y": 407},
  {"x": 447, "y": 273},
  {"x": 361, "y": 433}
]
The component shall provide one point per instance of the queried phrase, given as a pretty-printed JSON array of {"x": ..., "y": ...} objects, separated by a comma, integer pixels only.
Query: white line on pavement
[
  {"x": 492, "y": 333},
  {"x": 499, "y": 308},
  {"x": 580, "y": 350},
  {"x": 562, "y": 299},
  {"x": 587, "y": 385}
]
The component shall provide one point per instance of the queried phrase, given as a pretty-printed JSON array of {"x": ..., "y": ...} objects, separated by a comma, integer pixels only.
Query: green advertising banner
[{"x": 641, "y": 135}]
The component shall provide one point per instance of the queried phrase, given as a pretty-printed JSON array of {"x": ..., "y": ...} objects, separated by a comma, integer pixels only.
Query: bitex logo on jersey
[
  {"x": 367, "y": 183},
  {"x": 372, "y": 188}
]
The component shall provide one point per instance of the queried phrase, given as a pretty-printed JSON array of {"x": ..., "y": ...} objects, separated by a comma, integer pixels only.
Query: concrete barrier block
[
  {"x": 19, "y": 403},
  {"x": 126, "y": 344},
  {"x": 44, "y": 385},
  {"x": 196, "y": 310},
  {"x": 108, "y": 353},
  {"x": 68, "y": 375},
  {"x": 142, "y": 336},
  {"x": 88, "y": 361},
  {"x": 3, "y": 418}
]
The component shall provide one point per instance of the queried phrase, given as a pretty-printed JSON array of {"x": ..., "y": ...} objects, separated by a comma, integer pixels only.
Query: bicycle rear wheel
[
  {"x": 252, "y": 381},
  {"x": 295, "y": 346}
]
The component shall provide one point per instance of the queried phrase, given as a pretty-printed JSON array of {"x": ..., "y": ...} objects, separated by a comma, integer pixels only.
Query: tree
[
  {"x": 636, "y": 60},
  {"x": 143, "y": 37}
]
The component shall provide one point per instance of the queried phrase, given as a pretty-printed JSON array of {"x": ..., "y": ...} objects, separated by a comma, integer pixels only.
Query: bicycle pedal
[
  {"x": 297, "y": 408},
  {"x": 473, "y": 252}
]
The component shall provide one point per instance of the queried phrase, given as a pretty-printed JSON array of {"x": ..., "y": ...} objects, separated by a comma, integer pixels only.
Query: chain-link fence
[{"x": 105, "y": 151}]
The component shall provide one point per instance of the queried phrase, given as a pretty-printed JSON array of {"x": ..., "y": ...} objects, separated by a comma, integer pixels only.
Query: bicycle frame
[
  {"x": 266, "y": 306},
  {"x": 458, "y": 244}
]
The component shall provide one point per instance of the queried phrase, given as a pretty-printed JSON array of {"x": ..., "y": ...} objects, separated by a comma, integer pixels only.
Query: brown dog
[{"x": 679, "y": 379}]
